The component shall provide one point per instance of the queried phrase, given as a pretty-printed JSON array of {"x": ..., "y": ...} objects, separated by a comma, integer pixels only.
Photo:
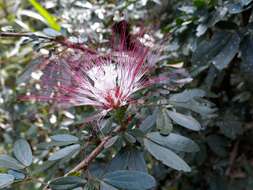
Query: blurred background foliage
[{"x": 211, "y": 38}]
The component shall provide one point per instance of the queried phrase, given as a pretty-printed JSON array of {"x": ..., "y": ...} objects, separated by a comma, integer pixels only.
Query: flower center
[
  {"x": 104, "y": 77},
  {"x": 106, "y": 80}
]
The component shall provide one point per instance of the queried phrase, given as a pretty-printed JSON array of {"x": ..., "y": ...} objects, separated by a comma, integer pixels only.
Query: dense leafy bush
[{"x": 184, "y": 123}]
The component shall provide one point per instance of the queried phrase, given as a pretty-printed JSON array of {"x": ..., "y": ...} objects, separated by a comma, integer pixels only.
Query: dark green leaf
[
  {"x": 67, "y": 183},
  {"x": 6, "y": 180},
  {"x": 43, "y": 167},
  {"x": 230, "y": 126},
  {"x": 23, "y": 152},
  {"x": 218, "y": 182},
  {"x": 111, "y": 141},
  {"x": 131, "y": 159},
  {"x": 199, "y": 3},
  {"x": 64, "y": 152},
  {"x": 107, "y": 126},
  {"x": 130, "y": 138},
  {"x": 227, "y": 53},
  {"x": 64, "y": 138},
  {"x": 217, "y": 144},
  {"x": 185, "y": 121},
  {"x": 130, "y": 180},
  {"x": 246, "y": 66},
  {"x": 148, "y": 123},
  {"x": 98, "y": 169},
  {"x": 119, "y": 162},
  {"x": 137, "y": 132},
  {"x": 10, "y": 163},
  {"x": 220, "y": 50},
  {"x": 174, "y": 141},
  {"x": 166, "y": 156}
]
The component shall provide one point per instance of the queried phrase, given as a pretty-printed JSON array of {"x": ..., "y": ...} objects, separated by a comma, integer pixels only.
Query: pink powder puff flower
[{"x": 106, "y": 82}]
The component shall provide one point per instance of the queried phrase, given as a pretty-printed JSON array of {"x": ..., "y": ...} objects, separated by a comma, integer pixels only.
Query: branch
[
  {"x": 83, "y": 165},
  {"x": 20, "y": 34},
  {"x": 59, "y": 39}
]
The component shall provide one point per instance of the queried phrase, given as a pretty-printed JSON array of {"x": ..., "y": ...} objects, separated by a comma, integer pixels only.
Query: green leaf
[
  {"x": 218, "y": 182},
  {"x": 174, "y": 141},
  {"x": 111, "y": 141},
  {"x": 67, "y": 183},
  {"x": 17, "y": 175},
  {"x": 29, "y": 69},
  {"x": 163, "y": 122},
  {"x": 228, "y": 52},
  {"x": 23, "y": 152},
  {"x": 246, "y": 67},
  {"x": 148, "y": 123},
  {"x": 245, "y": 2},
  {"x": 32, "y": 14},
  {"x": 231, "y": 129},
  {"x": 199, "y": 3},
  {"x": 43, "y": 167},
  {"x": 130, "y": 180},
  {"x": 98, "y": 169},
  {"x": 6, "y": 180},
  {"x": 64, "y": 152},
  {"x": 105, "y": 186},
  {"x": 220, "y": 50},
  {"x": 136, "y": 161},
  {"x": 129, "y": 138},
  {"x": 185, "y": 121},
  {"x": 166, "y": 156},
  {"x": 64, "y": 138},
  {"x": 218, "y": 145},
  {"x": 120, "y": 161},
  {"x": 137, "y": 133},
  {"x": 203, "y": 108},
  {"x": 230, "y": 126},
  {"x": 47, "y": 145},
  {"x": 131, "y": 159},
  {"x": 187, "y": 95},
  {"x": 187, "y": 9},
  {"x": 10, "y": 163},
  {"x": 51, "y": 20},
  {"x": 51, "y": 32},
  {"x": 235, "y": 8}
]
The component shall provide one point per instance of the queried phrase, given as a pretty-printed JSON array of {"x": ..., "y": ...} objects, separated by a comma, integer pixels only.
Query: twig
[
  {"x": 83, "y": 165},
  {"x": 60, "y": 40},
  {"x": 232, "y": 158},
  {"x": 20, "y": 34}
]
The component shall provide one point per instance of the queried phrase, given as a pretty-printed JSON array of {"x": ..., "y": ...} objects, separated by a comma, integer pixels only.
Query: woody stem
[{"x": 83, "y": 165}]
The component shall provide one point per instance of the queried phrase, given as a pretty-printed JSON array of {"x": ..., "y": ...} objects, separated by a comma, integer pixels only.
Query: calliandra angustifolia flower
[{"x": 105, "y": 81}]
